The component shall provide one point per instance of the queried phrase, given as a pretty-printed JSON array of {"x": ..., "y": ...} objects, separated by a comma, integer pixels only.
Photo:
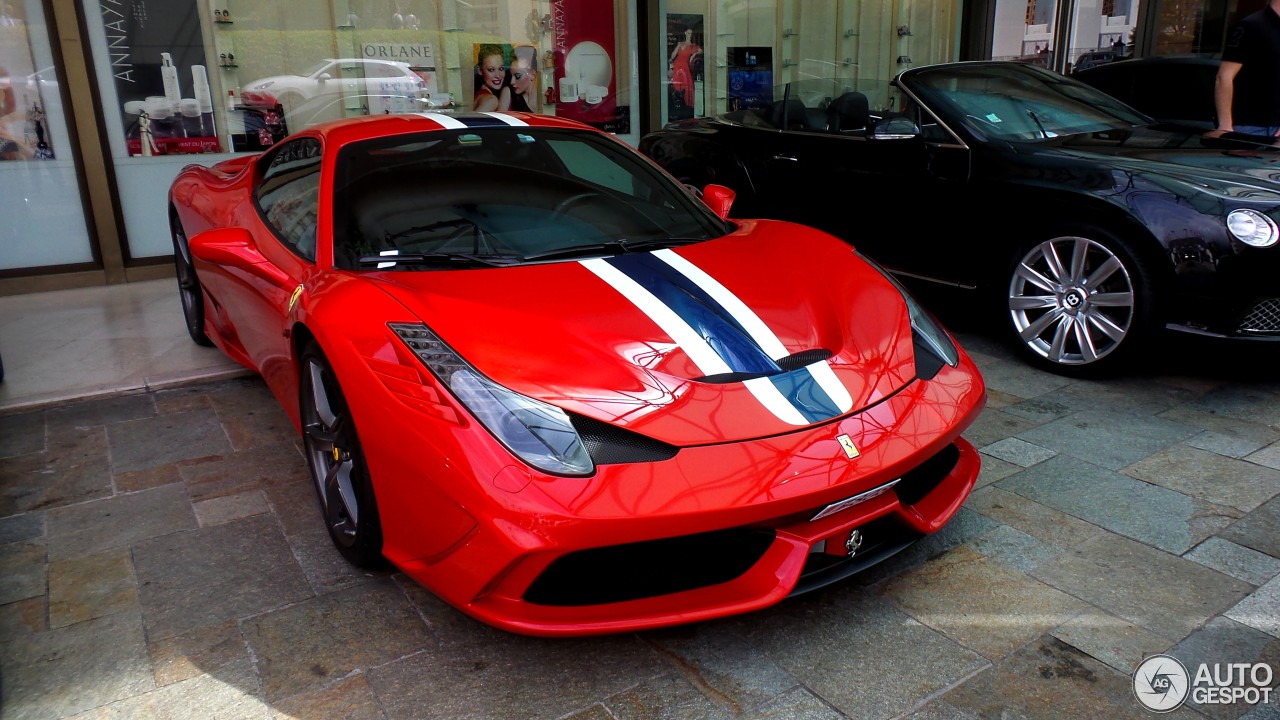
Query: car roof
[{"x": 372, "y": 126}]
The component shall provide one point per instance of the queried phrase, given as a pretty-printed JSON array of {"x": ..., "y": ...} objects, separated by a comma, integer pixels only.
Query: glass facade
[
  {"x": 158, "y": 84},
  {"x": 197, "y": 80},
  {"x": 41, "y": 202},
  {"x": 729, "y": 54}
]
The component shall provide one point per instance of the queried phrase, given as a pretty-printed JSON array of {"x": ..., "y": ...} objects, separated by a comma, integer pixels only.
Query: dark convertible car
[{"x": 1088, "y": 223}]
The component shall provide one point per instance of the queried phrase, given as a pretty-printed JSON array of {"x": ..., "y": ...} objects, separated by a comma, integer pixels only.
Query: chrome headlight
[
  {"x": 1252, "y": 228},
  {"x": 927, "y": 335},
  {"x": 540, "y": 434}
]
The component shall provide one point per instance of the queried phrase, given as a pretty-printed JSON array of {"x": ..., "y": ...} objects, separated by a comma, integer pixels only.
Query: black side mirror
[{"x": 895, "y": 128}]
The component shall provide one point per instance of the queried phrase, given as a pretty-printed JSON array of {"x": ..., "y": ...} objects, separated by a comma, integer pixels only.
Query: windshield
[
  {"x": 316, "y": 68},
  {"x": 1012, "y": 101},
  {"x": 504, "y": 196}
]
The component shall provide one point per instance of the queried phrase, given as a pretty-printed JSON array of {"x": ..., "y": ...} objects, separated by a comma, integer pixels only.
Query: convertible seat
[
  {"x": 788, "y": 114},
  {"x": 850, "y": 111}
]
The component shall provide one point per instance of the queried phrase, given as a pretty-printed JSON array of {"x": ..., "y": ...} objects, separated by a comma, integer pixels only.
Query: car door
[
  {"x": 282, "y": 222},
  {"x": 891, "y": 191}
]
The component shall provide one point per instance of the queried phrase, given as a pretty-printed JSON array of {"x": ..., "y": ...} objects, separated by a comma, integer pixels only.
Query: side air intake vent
[{"x": 609, "y": 445}]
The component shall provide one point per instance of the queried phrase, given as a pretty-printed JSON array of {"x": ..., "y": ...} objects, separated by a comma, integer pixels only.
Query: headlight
[
  {"x": 926, "y": 334},
  {"x": 540, "y": 434},
  {"x": 930, "y": 332},
  {"x": 1252, "y": 228}
]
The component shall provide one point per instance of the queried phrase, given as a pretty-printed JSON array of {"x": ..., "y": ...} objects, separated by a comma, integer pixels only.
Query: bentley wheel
[
  {"x": 189, "y": 291},
  {"x": 337, "y": 464},
  {"x": 1078, "y": 303}
]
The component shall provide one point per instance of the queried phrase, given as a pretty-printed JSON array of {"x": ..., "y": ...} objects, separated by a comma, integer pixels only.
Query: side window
[
  {"x": 583, "y": 161},
  {"x": 288, "y": 195},
  {"x": 384, "y": 71}
]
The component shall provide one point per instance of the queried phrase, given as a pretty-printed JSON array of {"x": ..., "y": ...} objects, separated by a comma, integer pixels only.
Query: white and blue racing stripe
[
  {"x": 722, "y": 335},
  {"x": 474, "y": 120}
]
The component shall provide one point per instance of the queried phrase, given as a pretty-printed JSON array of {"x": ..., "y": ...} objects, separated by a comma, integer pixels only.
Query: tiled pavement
[{"x": 161, "y": 556}]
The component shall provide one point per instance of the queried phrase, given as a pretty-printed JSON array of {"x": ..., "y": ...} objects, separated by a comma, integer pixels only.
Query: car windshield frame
[
  {"x": 504, "y": 196},
  {"x": 1018, "y": 103}
]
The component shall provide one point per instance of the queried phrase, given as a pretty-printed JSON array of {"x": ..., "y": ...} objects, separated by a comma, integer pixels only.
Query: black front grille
[
  {"x": 610, "y": 445},
  {"x": 882, "y": 538},
  {"x": 925, "y": 477},
  {"x": 1264, "y": 317},
  {"x": 649, "y": 569}
]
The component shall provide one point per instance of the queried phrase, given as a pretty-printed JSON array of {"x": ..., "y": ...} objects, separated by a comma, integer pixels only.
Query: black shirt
[{"x": 1255, "y": 44}]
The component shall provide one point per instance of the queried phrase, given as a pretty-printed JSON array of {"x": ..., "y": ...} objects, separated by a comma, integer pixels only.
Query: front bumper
[
  {"x": 1230, "y": 292},
  {"x": 715, "y": 531}
]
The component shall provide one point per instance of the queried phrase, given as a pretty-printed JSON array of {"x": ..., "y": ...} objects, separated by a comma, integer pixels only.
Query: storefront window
[
  {"x": 1026, "y": 31},
  {"x": 196, "y": 80},
  {"x": 44, "y": 222},
  {"x": 726, "y": 55}
]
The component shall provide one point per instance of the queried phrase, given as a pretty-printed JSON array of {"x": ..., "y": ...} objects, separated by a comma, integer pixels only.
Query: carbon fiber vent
[
  {"x": 609, "y": 445},
  {"x": 787, "y": 364}
]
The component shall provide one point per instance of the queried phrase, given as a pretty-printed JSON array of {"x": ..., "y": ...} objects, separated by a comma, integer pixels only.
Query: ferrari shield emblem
[{"x": 849, "y": 448}]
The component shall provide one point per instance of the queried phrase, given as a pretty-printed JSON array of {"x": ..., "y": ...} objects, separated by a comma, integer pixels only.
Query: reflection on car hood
[
  {"x": 1228, "y": 168},
  {"x": 574, "y": 334}
]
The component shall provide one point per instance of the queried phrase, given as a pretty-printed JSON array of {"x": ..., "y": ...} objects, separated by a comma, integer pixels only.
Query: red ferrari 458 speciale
[{"x": 546, "y": 381}]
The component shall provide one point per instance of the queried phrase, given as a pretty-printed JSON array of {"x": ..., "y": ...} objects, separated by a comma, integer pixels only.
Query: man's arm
[{"x": 1224, "y": 93}]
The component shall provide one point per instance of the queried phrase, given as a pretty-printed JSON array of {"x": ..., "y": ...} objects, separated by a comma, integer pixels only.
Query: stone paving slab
[
  {"x": 1051, "y": 679},
  {"x": 1163, "y": 593},
  {"x": 1149, "y": 513},
  {"x": 162, "y": 556}
]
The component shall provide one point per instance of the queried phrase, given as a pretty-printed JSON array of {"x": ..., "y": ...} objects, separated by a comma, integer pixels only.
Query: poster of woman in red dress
[{"x": 684, "y": 65}]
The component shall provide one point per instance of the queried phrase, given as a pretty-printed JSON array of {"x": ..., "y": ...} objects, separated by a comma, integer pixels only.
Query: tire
[
  {"x": 336, "y": 462},
  {"x": 1080, "y": 303},
  {"x": 189, "y": 291}
]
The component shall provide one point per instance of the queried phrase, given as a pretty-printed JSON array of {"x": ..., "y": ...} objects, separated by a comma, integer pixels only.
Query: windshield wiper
[
  {"x": 1036, "y": 119},
  {"x": 439, "y": 259},
  {"x": 613, "y": 247}
]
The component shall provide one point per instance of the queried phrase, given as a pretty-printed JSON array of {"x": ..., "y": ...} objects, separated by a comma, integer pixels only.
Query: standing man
[{"x": 1247, "y": 92}]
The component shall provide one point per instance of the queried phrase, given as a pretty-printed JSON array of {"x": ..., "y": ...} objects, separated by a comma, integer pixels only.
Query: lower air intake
[
  {"x": 649, "y": 569},
  {"x": 1263, "y": 318}
]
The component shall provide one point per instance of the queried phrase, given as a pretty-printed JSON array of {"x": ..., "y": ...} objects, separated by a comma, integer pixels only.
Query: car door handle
[{"x": 788, "y": 158}]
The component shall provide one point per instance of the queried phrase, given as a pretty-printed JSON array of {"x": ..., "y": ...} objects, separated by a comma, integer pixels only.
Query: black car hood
[{"x": 1219, "y": 166}]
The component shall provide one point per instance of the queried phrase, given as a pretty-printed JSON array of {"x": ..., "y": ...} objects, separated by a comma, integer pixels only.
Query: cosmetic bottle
[
  {"x": 200, "y": 83},
  {"x": 172, "y": 92},
  {"x": 191, "y": 120}
]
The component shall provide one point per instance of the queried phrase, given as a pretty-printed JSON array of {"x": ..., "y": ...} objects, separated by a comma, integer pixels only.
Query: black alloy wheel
[
  {"x": 189, "y": 291},
  {"x": 336, "y": 461},
  {"x": 1080, "y": 303}
]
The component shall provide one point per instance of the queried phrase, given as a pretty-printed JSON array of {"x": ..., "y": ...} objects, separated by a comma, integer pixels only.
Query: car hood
[
  {"x": 578, "y": 335},
  {"x": 1227, "y": 168}
]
